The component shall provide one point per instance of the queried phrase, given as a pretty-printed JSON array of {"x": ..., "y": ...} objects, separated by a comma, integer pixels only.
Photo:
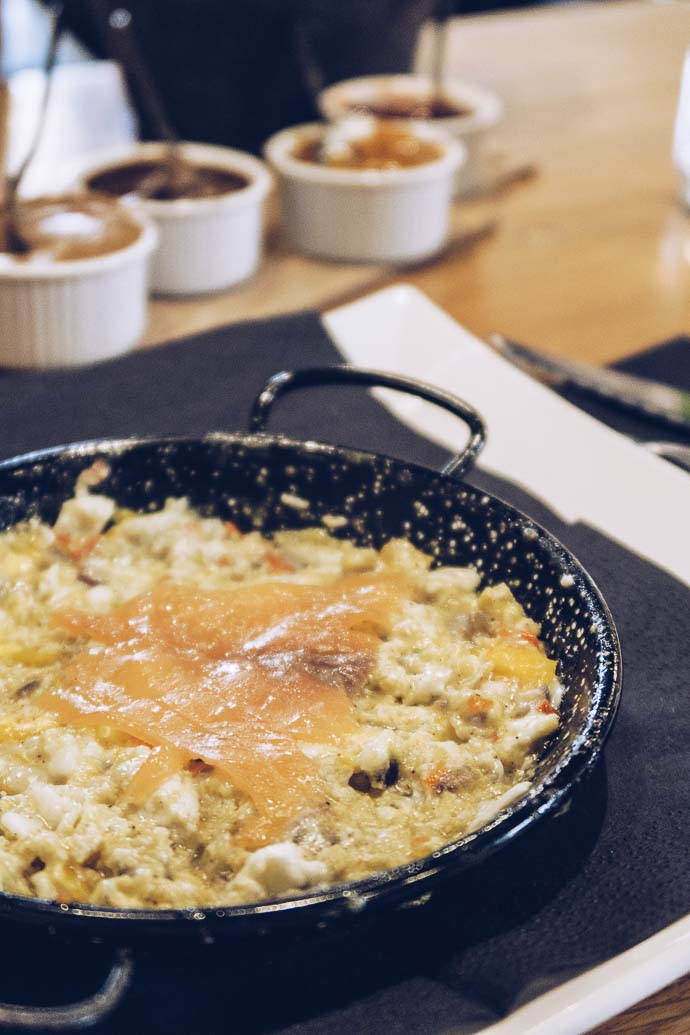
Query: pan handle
[
  {"x": 74, "y": 1016},
  {"x": 287, "y": 380}
]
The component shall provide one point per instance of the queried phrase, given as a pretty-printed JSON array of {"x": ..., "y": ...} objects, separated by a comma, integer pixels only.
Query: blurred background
[{"x": 234, "y": 71}]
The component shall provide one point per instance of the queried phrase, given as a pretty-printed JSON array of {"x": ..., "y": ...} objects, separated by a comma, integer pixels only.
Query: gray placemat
[{"x": 574, "y": 892}]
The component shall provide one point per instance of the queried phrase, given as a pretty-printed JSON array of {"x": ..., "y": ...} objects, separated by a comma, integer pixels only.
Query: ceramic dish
[
  {"x": 205, "y": 244},
  {"x": 364, "y": 215},
  {"x": 481, "y": 111},
  {"x": 68, "y": 312}
]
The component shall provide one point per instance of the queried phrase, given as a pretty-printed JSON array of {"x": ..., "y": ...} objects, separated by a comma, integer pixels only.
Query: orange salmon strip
[
  {"x": 253, "y": 618},
  {"x": 237, "y": 678},
  {"x": 162, "y": 763}
]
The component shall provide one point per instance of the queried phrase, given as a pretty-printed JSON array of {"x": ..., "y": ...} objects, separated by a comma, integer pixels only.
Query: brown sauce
[
  {"x": 153, "y": 179},
  {"x": 405, "y": 106},
  {"x": 386, "y": 147},
  {"x": 73, "y": 227}
]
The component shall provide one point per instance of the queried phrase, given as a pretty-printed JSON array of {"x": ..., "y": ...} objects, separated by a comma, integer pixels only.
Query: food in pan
[{"x": 192, "y": 715}]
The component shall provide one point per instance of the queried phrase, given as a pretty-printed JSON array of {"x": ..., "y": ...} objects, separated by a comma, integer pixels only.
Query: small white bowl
[
  {"x": 66, "y": 313},
  {"x": 206, "y": 244},
  {"x": 473, "y": 129},
  {"x": 364, "y": 215}
]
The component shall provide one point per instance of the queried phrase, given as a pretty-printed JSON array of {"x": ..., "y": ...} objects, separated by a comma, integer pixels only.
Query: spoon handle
[
  {"x": 438, "y": 57},
  {"x": 4, "y": 130},
  {"x": 441, "y": 17},
  {"x": 15, "y": 240},
  {"x": 125, "y": 49}
]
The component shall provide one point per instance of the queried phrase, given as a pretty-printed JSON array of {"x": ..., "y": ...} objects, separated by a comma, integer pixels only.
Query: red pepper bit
[
  {"x": 420, "y": 844},
  {"x": 526, "y": 637},
  {"x": 76, "y": 550},
  {"x": 277, "y": 563},
  {"x": 546, "y": 708},
  {"x": 478, "y": 705},
  {"x": 434, "y": 779}
]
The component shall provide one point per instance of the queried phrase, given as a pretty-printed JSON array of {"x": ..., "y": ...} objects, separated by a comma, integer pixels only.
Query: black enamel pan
[{"x": 255, "y": 480}]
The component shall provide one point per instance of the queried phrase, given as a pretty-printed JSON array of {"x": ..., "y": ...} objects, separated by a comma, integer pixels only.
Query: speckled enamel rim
[
  {"x": 432, "y": 500},
  {"x": 440, "y": 510},
  {"x": 414, "y": 880}
]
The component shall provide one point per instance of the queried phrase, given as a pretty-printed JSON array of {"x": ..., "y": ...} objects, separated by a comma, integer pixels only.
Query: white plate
[{"x": 580, "y": 469}]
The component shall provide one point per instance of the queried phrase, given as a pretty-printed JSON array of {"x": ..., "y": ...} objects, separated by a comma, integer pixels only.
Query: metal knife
[{"x": 671, "y": 405}]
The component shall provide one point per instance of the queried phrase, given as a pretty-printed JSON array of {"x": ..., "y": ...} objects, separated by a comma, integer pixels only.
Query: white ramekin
[
  {"x": 205, "y": 244},
  {"x": 474, "y": 129},
  {"x": 55, "y": 314},
  {"x": 368, "y": 215}
]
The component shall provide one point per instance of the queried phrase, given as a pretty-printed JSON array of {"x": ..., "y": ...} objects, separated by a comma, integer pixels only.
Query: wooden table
[{"x": 591, "y": 258}]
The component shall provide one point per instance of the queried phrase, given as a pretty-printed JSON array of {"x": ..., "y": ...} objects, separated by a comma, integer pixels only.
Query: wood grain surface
[
  {"x": 666, "y": 1013},
  {"x": 591, "y": 256}
]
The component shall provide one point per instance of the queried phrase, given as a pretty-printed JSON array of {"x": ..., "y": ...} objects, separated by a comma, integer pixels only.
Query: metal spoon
[
  {"x": 15, "y": 240},
  {"x": 442, "y": 16},
  {"x": 178, "y": 174}
]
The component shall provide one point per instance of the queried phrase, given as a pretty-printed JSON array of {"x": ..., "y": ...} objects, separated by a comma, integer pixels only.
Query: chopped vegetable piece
[
  {"x": 277, "y": 563},
  {"x": 478, "y": 705},
  {"x": 525, "y": 636},
  {"x": 76, "y": 549},
  {"x": 520, "y": 661}
]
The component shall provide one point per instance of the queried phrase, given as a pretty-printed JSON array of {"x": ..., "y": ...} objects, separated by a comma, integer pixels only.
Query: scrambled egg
[{"x": 460, "y": 699}]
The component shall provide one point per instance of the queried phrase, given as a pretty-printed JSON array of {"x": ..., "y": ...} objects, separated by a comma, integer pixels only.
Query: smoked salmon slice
[
  {"x": 239, "y": 678},
  {"x": 253, "y": 618}
]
